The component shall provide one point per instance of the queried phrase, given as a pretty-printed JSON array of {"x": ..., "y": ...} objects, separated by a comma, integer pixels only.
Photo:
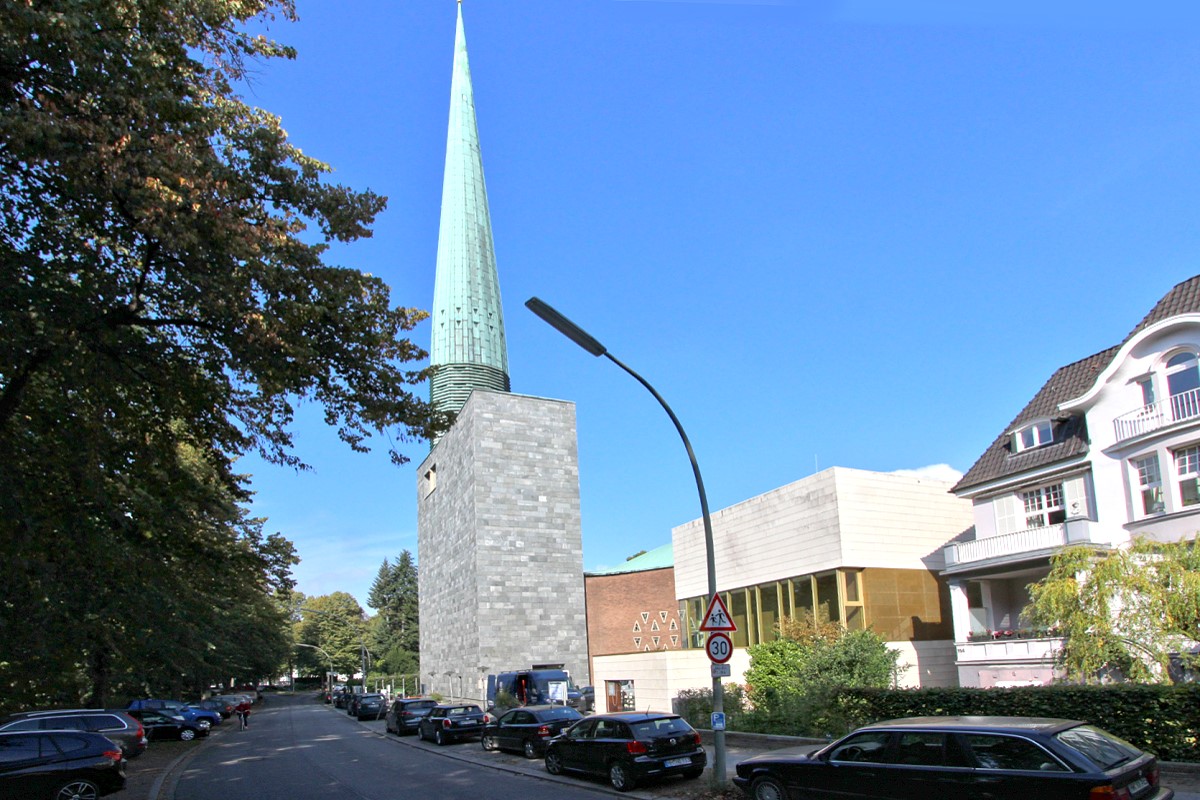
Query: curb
[{"x": 171, "y": 771}]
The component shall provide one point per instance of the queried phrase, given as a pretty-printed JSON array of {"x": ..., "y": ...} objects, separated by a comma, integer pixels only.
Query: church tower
[
  {"x": 499, "y": 541},
  {"x": 467, "y": 349}
]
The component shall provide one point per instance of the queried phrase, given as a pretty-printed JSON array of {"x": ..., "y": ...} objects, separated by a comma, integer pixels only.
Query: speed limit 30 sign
[{"x": 719, "y": 648}]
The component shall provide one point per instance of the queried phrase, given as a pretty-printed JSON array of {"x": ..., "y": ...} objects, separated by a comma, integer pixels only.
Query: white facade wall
[
  {"x": 659, "y": 677},
  {"x": 839, "y": 517}
]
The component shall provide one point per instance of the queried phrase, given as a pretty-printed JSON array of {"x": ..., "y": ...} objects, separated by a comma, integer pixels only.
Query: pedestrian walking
[{"x": 242, "y": 709}]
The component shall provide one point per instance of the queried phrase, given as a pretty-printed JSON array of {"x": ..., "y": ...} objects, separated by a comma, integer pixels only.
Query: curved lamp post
[
  {"x": 314, "y": 647},
  {"x": 585, "y": 340}
]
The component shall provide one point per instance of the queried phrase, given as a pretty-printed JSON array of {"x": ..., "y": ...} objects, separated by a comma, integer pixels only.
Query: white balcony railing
[
  {"x": 1008, "y": 544},
  {"x": 1181, "y": 407},
  {"x": 1023, "y": 650}
]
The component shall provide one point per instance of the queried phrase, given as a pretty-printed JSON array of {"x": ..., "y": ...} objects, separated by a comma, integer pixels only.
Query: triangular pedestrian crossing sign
[{"x": 717, "y": 617}]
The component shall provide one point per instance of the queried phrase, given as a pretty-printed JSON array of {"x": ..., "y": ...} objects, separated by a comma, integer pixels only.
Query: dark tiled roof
[{"x": 1069, "y": 382}]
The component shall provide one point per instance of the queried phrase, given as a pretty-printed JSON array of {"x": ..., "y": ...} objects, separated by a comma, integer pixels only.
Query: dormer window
[{"x": 1035, "y": 434}]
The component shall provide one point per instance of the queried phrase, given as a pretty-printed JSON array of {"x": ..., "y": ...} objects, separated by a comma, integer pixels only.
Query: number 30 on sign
[{"x": 719, "y": 648}]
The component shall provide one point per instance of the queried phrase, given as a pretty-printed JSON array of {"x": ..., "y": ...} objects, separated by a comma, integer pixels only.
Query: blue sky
[{"x": 829, "y": 233}]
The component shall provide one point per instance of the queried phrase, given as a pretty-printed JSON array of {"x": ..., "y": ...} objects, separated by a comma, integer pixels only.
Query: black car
[
  {"x": 119, "y": 726},
  {"x": 527, "y": 729},
  {"x": 369, "y": 706},
  {"x": 959, "y": 758},
  {"x": 59, "y": 765},
  {"x": 451, "y": 723},
  {"x": 628, "y": 747},
  {"x": 342, "y": 699},
  {"x": 163, "y": 725},
  {"x": 405, "y": 714}
]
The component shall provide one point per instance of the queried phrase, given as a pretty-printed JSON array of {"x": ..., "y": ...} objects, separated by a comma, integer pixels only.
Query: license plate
[
  {"x": 677, "y": 762},
  {"x": 1139, "y": 786}
]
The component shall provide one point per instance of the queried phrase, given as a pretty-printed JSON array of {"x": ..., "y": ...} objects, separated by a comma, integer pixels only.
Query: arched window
[{"x": 1183, "y": 384}]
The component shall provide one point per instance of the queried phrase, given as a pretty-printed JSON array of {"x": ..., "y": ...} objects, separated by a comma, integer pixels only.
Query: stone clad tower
[{"x": 499, "y": 542}]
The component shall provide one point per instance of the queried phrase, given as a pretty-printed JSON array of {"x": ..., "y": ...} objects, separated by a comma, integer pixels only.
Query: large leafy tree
[
  {"x": 336, "y": 624},
  {"x": 1131, "y": 613},
  {"x": 165, "y": 301}
]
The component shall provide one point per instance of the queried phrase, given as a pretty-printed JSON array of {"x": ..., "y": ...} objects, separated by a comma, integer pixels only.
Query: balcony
[
  {"x": 1008, "y": 544},
  {"x": 1178, "y": 408},
  {"x": 1038, "y": 650}
]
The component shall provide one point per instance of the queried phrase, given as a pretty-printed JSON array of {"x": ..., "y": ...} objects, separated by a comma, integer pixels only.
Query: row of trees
[
  {"x": 335, "y": 632},
  {"x": 164, "y": 301}
]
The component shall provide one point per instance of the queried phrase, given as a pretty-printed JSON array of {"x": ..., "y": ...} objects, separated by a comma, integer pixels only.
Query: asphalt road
[{"x": 298, "y": 749}]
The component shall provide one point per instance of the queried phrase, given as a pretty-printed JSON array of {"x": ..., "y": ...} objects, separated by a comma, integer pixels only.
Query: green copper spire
[{"x": 467, "y": 350}]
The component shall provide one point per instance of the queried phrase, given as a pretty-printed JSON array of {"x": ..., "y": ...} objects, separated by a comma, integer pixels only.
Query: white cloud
[{"x": 933, "y": 472}]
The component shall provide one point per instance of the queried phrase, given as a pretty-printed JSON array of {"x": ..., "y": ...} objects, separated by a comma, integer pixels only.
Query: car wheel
[
  {"x": 439, "y": 737},
  {"x": 204, "y": 724},
  {"x": 620, "y": 777},
  {"x": 530, "y": 750},
  {"x": 692, "y": 774},
  {"x": 186, "y": 735},
  {"x": 487, "y": 743},
  {"x": 77, "y": 790},
  {"x": 767, "y": 789},
  {"x": 554, "y": 764}
]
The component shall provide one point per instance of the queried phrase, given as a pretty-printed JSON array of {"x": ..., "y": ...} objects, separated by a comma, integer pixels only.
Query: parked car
[
  {"x": 59, "y": 765},
  {"x": 203, "y": 717},
  {"x": 451, "y": 723},
  {"x": 586, "y": 702},
  {"x": 628, "y": 747},
  {"x": 342, "y": 699},
  {"x": 164, "y": 725},
  {"x": 369, "y": 706},
  {"x": 405, "y": 714},
  {"x": 960, "y": 758},
  {"x": 527, "y": 729},
  {"x": 120, "y": 727},
  {"x": 221, "y": 705}
]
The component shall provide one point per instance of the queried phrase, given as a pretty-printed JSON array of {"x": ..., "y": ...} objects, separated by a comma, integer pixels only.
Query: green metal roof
[
  {"x": 658, "y": 558},
  {"x": 467, "y": 347}
]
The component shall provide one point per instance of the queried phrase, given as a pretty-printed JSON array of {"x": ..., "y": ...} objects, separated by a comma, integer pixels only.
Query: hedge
[{"x": 1162, "y": 719}]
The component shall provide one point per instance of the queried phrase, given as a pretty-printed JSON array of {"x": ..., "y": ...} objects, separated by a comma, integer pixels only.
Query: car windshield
[
  {"x": 1099, "y": 746},
  {"x": 660, "y": 727}
]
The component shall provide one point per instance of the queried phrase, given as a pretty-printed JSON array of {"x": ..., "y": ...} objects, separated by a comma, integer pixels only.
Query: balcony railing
[
  {"x": 1161, "y": 414},
  {"x": 1007, "y": 544}
]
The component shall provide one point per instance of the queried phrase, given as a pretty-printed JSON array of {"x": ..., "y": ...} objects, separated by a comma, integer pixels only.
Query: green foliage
[
  {"x": 335, "y": 623},
  {"x": 504, "y": 700},
  {"x": 810, "y": 658},
  {"x": 395, "y": 630},
  {"x": 165, "y": 302},
  {"x": 1123, "y": 614}
]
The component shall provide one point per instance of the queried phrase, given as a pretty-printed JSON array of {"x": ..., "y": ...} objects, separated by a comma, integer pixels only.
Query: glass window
[
  {"x": 1147, "y": 387},
  {"x": 827, "y": 598},
  {"x": 1100, "y": 746},
  {"x": 768, "y": 611},
  {"x": 1183, "y": 380},
  {"x": 1034, "y": 435},
  {"x": 867, "y": 748},
  {"x": 1149, "y": 484},
  {"x": 18, "y": 748},
  {"x": 856, "y": 617},
  {"x": 927, "y": 749},
  {"x": 736, "y": 600},
  {"x": 802, "y": 598},
  {"x": 1187, "y": 467},
  {"x": 1044, "y": 506},
  {"x": 993, "y": 751}
]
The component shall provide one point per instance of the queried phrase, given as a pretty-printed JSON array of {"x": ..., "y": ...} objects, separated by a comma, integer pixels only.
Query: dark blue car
[{"x": 201, "y": 717}]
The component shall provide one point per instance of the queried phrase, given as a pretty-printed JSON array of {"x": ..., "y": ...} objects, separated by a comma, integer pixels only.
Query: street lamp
[
  {"x": 585, "y": 340},
  {"x": 314, "y": 647}
]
